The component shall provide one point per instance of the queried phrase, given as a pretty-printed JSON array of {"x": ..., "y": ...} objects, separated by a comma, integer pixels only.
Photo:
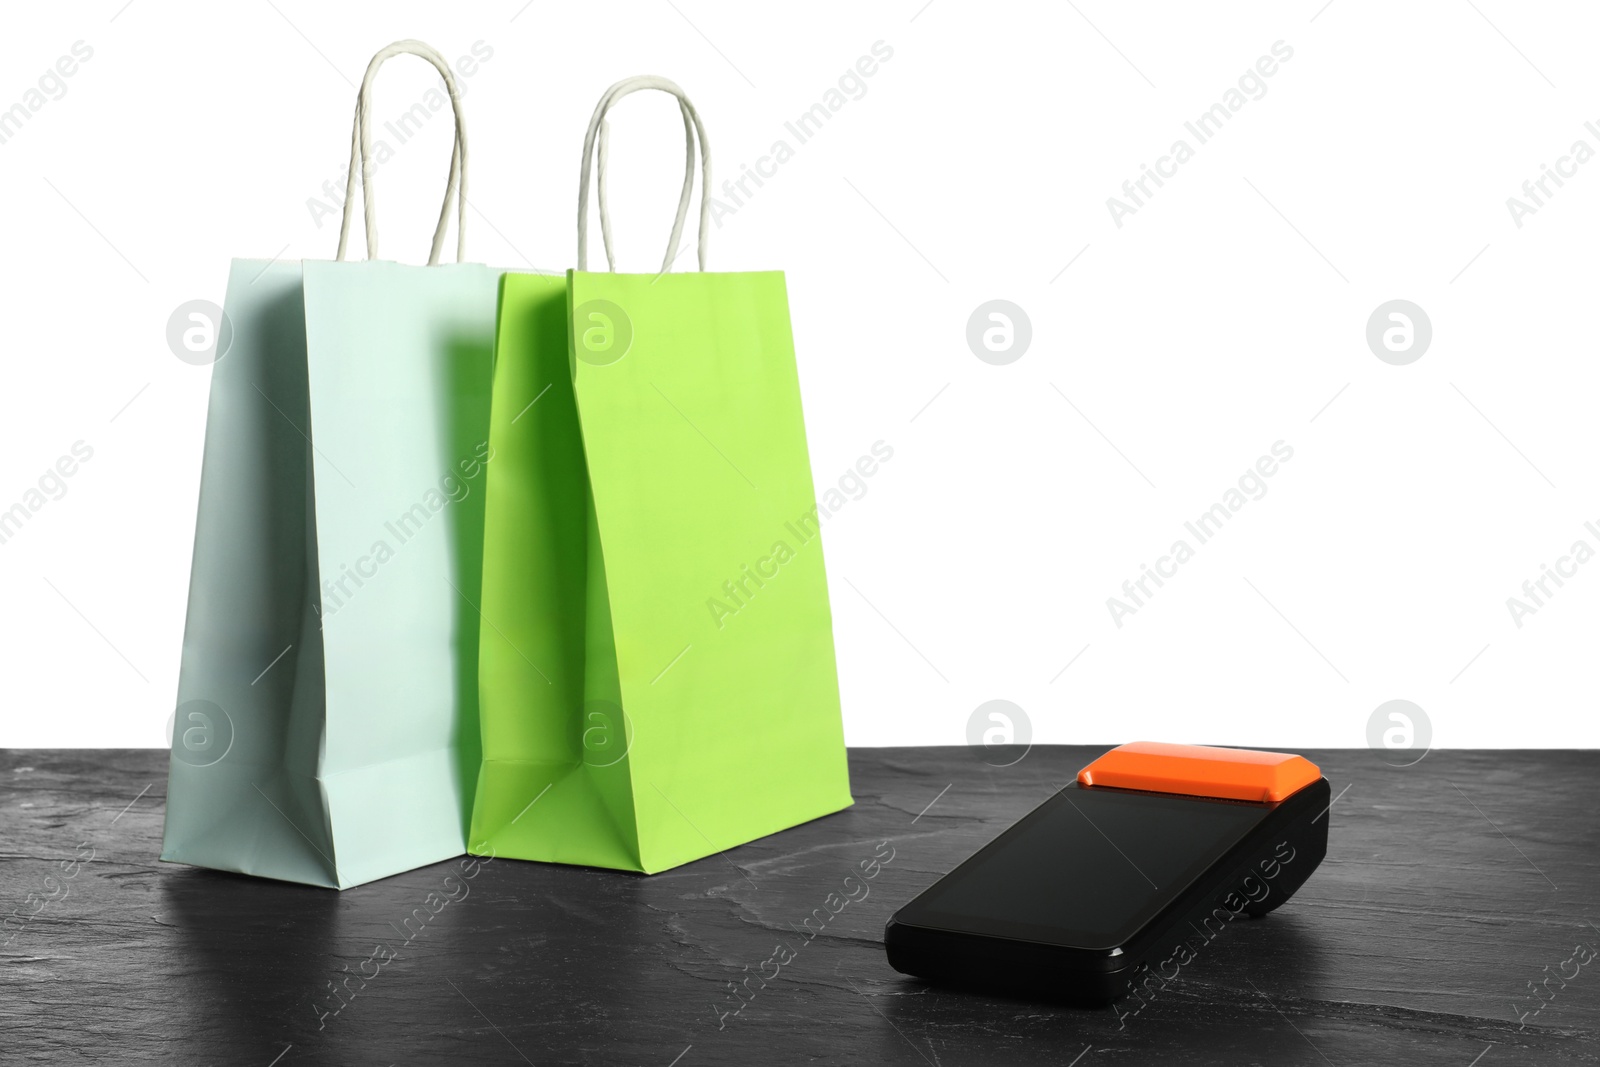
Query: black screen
[{"x": 1087, "y": 868}]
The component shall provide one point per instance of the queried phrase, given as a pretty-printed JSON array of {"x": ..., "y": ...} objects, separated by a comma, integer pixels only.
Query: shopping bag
[
  {"x": 327, "y": 723},
  {"x": 657, "y": 670}
]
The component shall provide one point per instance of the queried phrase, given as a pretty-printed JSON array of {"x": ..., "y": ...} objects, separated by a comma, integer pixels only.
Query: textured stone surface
[{"x": 1449, "y": 886}]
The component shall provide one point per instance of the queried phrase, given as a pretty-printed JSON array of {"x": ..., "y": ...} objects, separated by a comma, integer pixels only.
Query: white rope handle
[
  {"x": 361, "y": 156},
  {"x": 595, "y": 147},
  {"x": 602, "y": 156}
]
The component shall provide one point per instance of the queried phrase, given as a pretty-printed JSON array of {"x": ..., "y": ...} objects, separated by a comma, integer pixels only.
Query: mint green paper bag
[
  {"x": 327, "y": 723},
  {"x": 657, "y": 669}
]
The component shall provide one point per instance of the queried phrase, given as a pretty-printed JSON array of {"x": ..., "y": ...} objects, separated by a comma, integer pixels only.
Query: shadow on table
[
  {"x": 252, "y": 962},
  {"x": 1216, "y": 1007},
  {"x": 426, "y": 966}
]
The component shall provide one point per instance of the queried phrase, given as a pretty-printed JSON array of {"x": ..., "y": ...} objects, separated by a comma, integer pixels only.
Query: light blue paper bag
[{"x": 326, "y": 731}]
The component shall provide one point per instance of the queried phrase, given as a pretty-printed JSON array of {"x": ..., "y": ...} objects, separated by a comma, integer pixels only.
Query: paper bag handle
[
  {"x": 595, "y": 149},
  {"x": 361, "y": 156}
]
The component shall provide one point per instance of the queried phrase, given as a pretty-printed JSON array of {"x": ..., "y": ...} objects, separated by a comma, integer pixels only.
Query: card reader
[{"x": 1122, "y": 875}]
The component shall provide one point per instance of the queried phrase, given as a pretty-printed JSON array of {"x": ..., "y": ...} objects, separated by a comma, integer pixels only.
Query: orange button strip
[{"x": 1201, "y": 771}]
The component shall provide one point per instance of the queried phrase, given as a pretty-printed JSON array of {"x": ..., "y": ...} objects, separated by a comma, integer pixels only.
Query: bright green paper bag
[
  {"x": 657, "y": 676},
  {"x": 327, "y": 723}
]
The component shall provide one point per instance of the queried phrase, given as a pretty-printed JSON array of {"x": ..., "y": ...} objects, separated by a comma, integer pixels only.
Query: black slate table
[{"x": 1452, "y": 923}]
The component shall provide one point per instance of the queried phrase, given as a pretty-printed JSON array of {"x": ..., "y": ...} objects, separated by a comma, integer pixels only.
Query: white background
[{"x": 1227, "y": 314}]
